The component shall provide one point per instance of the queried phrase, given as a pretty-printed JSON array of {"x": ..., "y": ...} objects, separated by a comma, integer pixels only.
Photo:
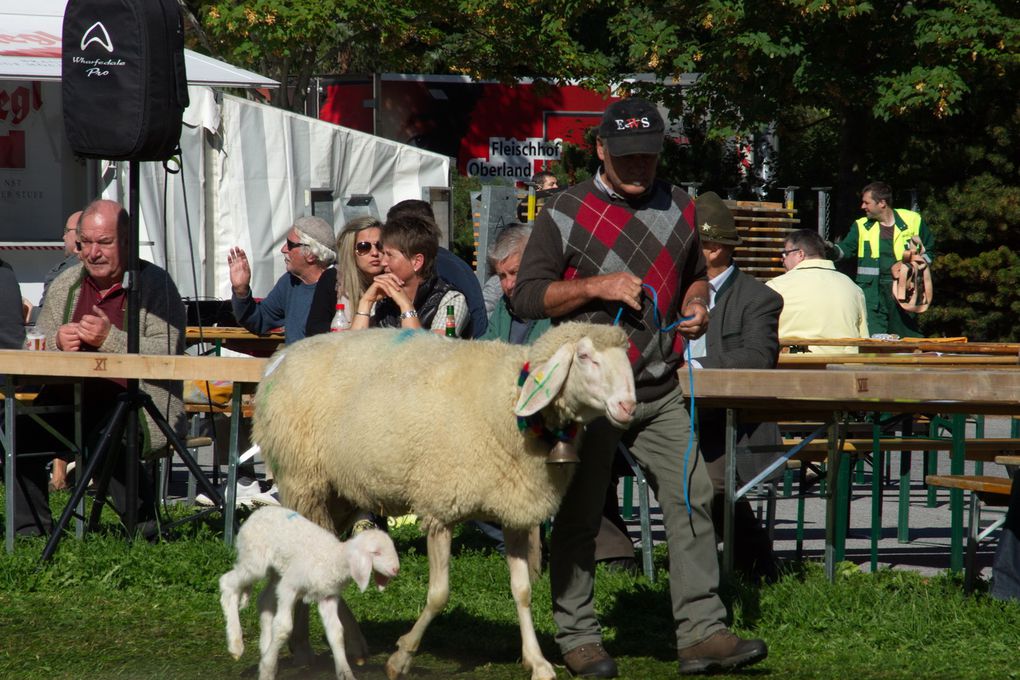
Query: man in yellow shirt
[{"x": 818, "y": 301}]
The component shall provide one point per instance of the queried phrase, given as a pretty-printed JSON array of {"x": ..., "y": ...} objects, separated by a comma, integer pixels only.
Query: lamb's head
[
  {"x": 583, "y": 371},
  {"x": 369, "y": 552}
]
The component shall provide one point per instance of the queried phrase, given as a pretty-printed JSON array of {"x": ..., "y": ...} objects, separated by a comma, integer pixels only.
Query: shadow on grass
[{"x": 456, "y": 644}]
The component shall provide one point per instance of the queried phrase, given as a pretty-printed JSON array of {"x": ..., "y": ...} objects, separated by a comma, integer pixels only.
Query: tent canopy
[{"x": 30, "y": 42}]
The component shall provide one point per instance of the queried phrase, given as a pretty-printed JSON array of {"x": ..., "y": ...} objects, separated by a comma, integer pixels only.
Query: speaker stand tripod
[{"x": 124, "y": 420}]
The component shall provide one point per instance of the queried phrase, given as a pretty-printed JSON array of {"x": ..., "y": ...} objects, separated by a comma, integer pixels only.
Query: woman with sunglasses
[
  {"x": 408, "y": 292},
  {"x": 360, "y": 259}
]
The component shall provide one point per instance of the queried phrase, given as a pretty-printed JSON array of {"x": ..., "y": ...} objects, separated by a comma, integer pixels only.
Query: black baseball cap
[{"x": 632, "y": 126}]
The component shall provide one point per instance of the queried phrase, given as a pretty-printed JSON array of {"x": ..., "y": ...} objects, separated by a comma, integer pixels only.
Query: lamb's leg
[
  {"x": 439, "y": 540},
  {"x": 281, "y": 626},
  {"x": 267, "y": 612},
  {"x": 232, "y": 584},
  {"x": 517, "y": 549},
  {"x": 335, "y": 636}
]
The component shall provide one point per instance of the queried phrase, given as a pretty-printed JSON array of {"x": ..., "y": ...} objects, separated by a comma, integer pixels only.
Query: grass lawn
[{"x": 106, "y": 609}]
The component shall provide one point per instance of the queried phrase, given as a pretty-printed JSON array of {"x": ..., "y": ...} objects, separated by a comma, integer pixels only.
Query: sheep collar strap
[{"x": 561, "y": 439}]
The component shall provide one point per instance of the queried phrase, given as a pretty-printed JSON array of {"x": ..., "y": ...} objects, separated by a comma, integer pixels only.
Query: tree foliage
[
  {"x": 862, "y": 69},
  {"x": 493, "y": 39}
]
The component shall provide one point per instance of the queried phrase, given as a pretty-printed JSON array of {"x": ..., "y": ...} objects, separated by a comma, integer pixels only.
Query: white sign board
[{"x": 514, "y": 158}]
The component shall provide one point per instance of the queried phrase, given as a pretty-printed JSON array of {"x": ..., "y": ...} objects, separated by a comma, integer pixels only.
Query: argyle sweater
[{"x": 585, "y": 232}]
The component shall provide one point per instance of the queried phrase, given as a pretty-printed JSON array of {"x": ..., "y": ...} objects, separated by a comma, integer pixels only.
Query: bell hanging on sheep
[{"x": 563, "y": 452}]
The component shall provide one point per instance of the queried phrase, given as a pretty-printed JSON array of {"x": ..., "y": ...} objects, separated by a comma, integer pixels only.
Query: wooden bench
[{"x": 983, "y": 490}]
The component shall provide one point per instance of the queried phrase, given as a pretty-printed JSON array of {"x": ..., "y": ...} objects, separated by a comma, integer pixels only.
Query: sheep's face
[
  {"x": 372, "y": 553},
  {"x": 584, "y": 382},
  {"x": 604, "y": 383}
]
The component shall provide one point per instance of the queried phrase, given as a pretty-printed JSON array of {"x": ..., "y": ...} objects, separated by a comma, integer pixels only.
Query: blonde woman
[{"x": 360, "y": 251}]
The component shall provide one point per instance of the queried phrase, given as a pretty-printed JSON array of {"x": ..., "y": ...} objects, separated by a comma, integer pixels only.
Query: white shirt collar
[
  {"x": 605, "y": 187},
  {"x": 716, "y": 282}
]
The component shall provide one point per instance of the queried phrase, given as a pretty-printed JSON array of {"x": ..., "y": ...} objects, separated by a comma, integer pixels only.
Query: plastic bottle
[
  {"x": 340, "y": 321},
  {"x": 451, "y": 322}
]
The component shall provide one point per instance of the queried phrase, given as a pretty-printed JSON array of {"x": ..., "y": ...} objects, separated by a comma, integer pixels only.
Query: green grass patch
[{"x": 104, "y": 608}]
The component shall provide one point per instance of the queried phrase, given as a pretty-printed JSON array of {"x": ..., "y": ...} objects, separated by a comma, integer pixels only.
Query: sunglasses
[
  {"x": 365, "y": 247},
  {"x": 291, "y": 245}
]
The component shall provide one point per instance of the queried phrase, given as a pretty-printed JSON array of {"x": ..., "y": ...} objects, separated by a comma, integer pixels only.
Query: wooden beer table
[
  {"x": 234, "y": 338},
  {"x": 25, "y": 367},
  {"x": 828, "y": 396}
]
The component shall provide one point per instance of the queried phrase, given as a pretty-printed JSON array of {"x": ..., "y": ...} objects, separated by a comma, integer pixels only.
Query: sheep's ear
[
  {"x": 545, "y": 382},
  {"x": 361, "y": 568}
]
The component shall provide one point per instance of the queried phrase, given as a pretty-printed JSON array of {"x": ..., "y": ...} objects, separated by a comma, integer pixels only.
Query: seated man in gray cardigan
[{"x": 85, "y": 311}]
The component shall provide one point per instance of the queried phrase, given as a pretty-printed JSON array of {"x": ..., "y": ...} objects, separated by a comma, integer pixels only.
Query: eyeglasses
[
  {"x": 291, "y": 245},
  {"x": 784, "y": 253},
  {"x": 365, "y": 247}
]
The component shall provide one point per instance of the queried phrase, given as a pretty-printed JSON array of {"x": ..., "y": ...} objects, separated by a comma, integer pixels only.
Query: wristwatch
[{"x": 409, "y": 314}]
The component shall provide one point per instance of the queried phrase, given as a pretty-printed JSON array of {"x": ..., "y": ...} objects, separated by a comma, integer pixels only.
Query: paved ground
[{"x": 927, "y": 550}]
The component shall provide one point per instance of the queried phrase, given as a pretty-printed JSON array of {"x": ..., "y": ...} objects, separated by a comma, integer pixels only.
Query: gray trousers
[{"x": 657, "y": 439}]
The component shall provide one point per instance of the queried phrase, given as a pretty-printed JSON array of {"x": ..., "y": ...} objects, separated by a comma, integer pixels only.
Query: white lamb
[
  {"x": 403, "y": 421},
  {"x": 302, "y": 562}
]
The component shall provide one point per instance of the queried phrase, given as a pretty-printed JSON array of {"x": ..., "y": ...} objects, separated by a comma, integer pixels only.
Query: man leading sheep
[{"x": 593, "y": 249}]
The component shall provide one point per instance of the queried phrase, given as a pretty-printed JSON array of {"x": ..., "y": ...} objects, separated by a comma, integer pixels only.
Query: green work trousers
[
  {"x": 884, "y": 315},
  {"x": 657, "y": 439}
]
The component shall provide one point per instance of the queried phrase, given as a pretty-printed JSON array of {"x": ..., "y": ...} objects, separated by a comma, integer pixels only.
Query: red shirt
[{"x": 113, "y": 303}]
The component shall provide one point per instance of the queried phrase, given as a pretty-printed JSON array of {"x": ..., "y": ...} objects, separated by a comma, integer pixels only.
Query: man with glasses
[
  {"x": 70, "y": 253},
  {"x": 306, "y": 292},
  {"x": 818, "y": 301},
  {"x": 85, "y": 312},
  {"x": 308, "y": 251}
]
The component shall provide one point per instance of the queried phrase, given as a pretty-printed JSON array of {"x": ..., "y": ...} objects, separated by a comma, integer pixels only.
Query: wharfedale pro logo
[
  {"x": 97, "y": 68},
  {"x": 97, "y": 34}
]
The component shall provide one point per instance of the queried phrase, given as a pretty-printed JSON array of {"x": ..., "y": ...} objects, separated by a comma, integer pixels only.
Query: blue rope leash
[{"x": 690, "y": 376}]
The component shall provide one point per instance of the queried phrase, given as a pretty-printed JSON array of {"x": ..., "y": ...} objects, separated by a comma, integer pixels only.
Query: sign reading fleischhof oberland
[{"x": 514, "y": 158}]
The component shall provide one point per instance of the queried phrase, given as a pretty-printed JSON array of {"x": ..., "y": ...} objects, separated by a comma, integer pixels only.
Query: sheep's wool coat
[{"x": 407, "y": 421}]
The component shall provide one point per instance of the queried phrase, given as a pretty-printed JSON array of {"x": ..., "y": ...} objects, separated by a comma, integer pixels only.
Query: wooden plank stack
[{"x": 763, "y": 227}]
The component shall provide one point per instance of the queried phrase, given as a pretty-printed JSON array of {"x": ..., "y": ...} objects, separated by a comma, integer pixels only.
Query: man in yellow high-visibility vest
[{"x": 877, "y": 241}]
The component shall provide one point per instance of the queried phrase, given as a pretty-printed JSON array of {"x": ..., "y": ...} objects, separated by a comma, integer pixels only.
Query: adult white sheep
[
  {"x": 302, "y": 561},
  {"x": 403, "y": 421}
]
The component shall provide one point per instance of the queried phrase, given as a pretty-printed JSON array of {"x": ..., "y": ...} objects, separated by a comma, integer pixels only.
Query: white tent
[{"x": 246, "y": 167}]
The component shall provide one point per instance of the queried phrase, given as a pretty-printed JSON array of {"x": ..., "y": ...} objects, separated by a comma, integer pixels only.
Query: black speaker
[{"x": 124, "y": 85}]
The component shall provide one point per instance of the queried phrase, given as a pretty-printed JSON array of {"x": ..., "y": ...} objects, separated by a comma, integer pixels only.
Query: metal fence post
[{"x": 823, "y": 210}]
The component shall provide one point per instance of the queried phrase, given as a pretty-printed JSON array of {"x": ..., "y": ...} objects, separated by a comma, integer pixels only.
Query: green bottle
[{"x": 451, "y": 322}]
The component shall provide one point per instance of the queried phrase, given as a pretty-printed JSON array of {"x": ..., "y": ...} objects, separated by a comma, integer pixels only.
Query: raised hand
[{"x": 240, "y": 272}]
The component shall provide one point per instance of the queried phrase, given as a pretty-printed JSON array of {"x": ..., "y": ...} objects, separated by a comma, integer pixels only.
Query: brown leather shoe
[
  {"x": 721, "y": 651},
  {"x": 590, "y": 661}
]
